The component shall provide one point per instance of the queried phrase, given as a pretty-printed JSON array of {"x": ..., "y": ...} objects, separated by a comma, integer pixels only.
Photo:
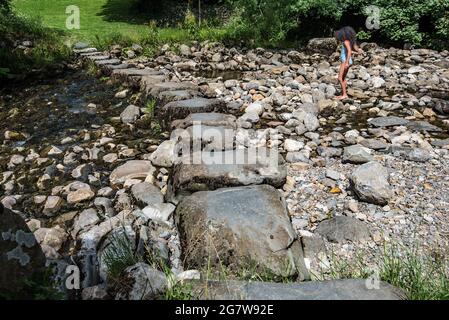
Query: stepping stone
[
  {"x": 108, "y": 62},
  {"x": 229, "y": 169},
  {"x": 90, "y": 54},
  {"x": 202, "y": 137},
  {"x": 390, "y": 121},
  {"x": 81, "y": 46},
  {"x": 125, "y": 73},
  {"x": 347, "y": 289},
  {"x": 236, "y": 227},
  {"x": 154, "y": 89},
  {"x": 98, "y": 57},
  {"x": 86, "y": 50},
  {"x": 177, "y": 95},
  {"x": 210, "y": 119},
  {"x": 181, "y": 109},
  {"x": 111, "y": 67}
]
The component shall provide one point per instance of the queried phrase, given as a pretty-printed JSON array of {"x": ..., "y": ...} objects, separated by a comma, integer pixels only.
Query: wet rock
[
  {"x": 370, "y": 183},
  {"x": 341, "y": 229},
  {"x": 239, "y": 225},
  {"x": 21, "y": 257},
  {"x": 357, "y": 154},
  {"x": 134, "y": 169}
]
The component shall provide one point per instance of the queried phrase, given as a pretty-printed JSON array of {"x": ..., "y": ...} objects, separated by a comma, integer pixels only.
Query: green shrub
[
  {"x": 47, "y": 45},
  {"x": 422, "y": 23}
]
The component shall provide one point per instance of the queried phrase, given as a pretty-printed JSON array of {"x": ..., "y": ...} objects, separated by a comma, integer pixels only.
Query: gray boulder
[
  {"x": 234, "y": 226},
  {"x": 348, "y": 289},
  {"x": 370, "y": 183}
]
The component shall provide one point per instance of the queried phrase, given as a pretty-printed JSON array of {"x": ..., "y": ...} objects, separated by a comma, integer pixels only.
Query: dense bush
[
  {"x": 46, "y": 45},
  {"x": 405, "y": 21}
]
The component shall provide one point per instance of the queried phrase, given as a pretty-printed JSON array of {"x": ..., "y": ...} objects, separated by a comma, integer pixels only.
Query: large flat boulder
[
  {"x": 124, "y": 73},
  {"x": 228, "y": 169},
  {"x": 181, "y": 109},
  {"x": 154, "y": 89},
  {"x": 234, "y": 227},
  {"x": 347, "y": 289},
  {"x": 203, "y": 137},
  {"x": 211, "y": 119}
]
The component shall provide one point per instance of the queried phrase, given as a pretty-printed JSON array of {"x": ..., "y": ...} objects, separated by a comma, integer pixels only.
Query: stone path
[
  {"x": 248, "y": 222},
  {"x": 228, "y": 215}
]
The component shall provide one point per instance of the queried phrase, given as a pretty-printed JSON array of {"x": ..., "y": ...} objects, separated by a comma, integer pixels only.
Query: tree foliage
[{"x": 413, "y": 21}]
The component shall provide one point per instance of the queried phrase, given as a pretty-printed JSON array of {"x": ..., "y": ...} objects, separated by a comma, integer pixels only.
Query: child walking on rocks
[{"x": 348, "y": 39}]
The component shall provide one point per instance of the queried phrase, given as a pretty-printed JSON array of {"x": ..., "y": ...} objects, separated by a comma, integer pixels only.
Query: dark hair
[{"x": 346, "y": 33}]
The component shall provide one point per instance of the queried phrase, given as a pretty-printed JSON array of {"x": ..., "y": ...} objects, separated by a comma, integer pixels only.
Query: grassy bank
[{"x": 103, "y": 21}]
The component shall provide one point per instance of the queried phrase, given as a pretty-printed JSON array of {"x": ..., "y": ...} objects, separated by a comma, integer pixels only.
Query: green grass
[
  {"x": 107, "y": 21},
  {"x": 422, "y": 276}
]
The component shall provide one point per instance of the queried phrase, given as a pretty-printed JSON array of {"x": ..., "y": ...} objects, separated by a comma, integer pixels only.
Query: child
[{"x": 348, "y": 38}]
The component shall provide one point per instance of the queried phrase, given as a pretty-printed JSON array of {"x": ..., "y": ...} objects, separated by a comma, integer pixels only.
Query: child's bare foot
[{"x": 342, "y": 97}]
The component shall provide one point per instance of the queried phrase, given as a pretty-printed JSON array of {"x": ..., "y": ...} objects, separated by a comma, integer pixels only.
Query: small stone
[
  {"x": 80, "y": 195},
  {"x": 52, "y": 205}
]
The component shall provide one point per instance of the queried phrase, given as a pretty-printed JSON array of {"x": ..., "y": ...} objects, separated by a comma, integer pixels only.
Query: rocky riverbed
[{"x": 85, "y": 161}]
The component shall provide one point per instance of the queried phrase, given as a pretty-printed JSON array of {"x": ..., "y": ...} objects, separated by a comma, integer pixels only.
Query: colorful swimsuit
[{"x": 344, "y": 53}]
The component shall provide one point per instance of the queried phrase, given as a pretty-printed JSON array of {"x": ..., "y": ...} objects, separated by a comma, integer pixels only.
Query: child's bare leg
[{"x": 342, "y": 79}]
